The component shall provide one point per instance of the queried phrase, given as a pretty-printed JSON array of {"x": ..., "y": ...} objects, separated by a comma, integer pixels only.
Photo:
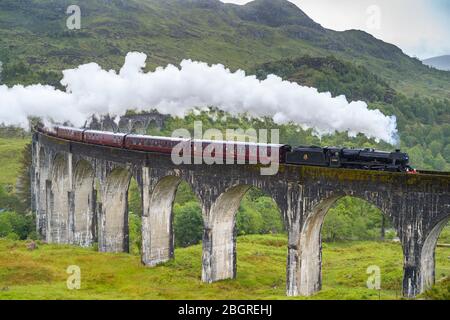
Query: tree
[
  {"x": 439, "y": 163},
  {"x": 9, "y": 200},
  {"x": 248, "y": 220},
  {"x": 185, "y": 194},
  {"x": 446, "y": 153},
  {"x": 13, "y": 224},
  {"x": 416, "y": 156},
  {"x": 134, "y": 198},
  {"x": 188, "y": 224},
  {"x": 23, "y": 189},
  {"x": 135, "y": 234},
  {"x": 353, "y": 219},
  {"x": 271, "y": 217},
  {"x": 435, "y": 147}
]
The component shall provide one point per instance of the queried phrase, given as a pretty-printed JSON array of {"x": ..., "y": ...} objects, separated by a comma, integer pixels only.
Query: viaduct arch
[{"x": 67, "y": 202}]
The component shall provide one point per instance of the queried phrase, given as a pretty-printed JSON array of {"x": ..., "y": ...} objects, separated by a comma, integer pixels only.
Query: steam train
[{"x": 363, "y": 159}]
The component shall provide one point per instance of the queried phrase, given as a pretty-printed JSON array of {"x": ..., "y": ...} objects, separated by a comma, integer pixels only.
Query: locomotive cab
[
  {"x": 334, "y": 156},
  {"x": 313, "y": 156}
]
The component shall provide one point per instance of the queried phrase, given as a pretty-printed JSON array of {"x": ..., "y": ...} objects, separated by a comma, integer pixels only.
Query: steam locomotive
[{"x": 363, "y": 159}]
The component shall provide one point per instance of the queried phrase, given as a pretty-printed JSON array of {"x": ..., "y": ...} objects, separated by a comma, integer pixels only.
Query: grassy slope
[
  {"x": 10, "y": 153},
  {"x": 41, "y": 274}
]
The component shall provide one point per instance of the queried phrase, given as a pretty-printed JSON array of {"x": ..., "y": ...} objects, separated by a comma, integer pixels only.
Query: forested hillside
[{"x": 35, "y": 44}]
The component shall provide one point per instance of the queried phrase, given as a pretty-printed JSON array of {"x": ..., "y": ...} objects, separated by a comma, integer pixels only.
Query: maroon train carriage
[
  {"x": 50, "y": 131},
  {"x": 243, "y": 151},
  {"x": 252, "y": 152},
  {"x": 109, "y": 139},
  {"x": 70, "y": 133},
  {"x": 62, "y": 132},
  {"x": 152, "y": 144},
  {"x": 260, "y": 152}
]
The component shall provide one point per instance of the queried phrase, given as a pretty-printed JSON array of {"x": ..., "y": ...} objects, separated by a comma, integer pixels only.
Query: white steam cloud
[{"x": 172, "y": 90}]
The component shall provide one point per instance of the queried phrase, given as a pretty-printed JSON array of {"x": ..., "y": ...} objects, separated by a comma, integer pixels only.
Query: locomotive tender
[{"x": 363, "y": 159}]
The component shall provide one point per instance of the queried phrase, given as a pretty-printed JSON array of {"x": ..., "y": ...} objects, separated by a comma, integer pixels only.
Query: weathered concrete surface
[
  {"x": 84, "y": 205},
  {"x": 310, "y": 249},
  {"x": 113, "y": 218},
  {"x": 219, "y": 241},
  {"x": 157, "y": 230},
  {"x": 58, "y": 200},
  {"x": 40, "y": 162},
  {"x": 428, "y": 256},
  {"x": 417, "y": 205}
]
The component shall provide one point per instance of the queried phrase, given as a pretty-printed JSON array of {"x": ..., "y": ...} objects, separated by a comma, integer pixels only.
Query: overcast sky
[{"x": 420, "y": 27}]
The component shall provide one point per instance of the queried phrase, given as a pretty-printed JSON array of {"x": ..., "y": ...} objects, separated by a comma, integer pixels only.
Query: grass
[
  {"x": 41, "y": 274},
  {"x": 10, "y": 155},
  {"x": 444, "y": 238}
]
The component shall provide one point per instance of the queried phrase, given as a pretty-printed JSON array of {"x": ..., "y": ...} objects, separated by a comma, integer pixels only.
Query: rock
[{"x": 32, "y": 246}]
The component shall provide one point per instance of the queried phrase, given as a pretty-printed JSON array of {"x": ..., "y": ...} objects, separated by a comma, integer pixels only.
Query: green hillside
[
  {"x": 36, "y": 45},
  {"x": 10, "y": 155},
  {"x": 41, "y": 274},
  {"x": 264, "y": 36}
]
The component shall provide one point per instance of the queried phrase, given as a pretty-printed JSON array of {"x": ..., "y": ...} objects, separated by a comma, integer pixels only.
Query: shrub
[
  {"x": 188, "y": 224},
  {"x": 33, "y": 235},
  {"x": 17, "y": 224},
  {"x": 13, "y": 236},
  {"x": 135, "y": 234}
]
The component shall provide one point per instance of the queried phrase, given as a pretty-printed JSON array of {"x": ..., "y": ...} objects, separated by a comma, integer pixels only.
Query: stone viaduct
[
  {"x": 135, "y": 123},
  {"x": 140, "y": 123},
  {"x": 80, "y": 197}
]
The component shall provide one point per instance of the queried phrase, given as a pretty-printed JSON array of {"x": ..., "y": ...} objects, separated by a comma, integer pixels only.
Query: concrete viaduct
[{"x": 79, "y": 194}]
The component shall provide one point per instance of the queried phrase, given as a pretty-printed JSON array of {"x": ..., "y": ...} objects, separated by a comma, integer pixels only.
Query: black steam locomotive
[{"x": 364, "y": 159}]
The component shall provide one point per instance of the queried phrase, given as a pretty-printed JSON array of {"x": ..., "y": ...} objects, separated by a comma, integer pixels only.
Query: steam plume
[{"x": 172, "y": 90}]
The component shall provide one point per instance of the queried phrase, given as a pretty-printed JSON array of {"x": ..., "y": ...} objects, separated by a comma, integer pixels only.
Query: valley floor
[{"x": 41, "y": 274}]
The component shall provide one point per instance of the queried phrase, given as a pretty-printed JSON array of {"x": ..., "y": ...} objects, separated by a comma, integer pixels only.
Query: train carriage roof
[
  {"x": 69, "y": 128},
  {"x": 140, "y": 136},
  {"x": 241, "y": 143},
  {"x": 105, "y": 133},
  {"x": 137, "y": 136}
]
